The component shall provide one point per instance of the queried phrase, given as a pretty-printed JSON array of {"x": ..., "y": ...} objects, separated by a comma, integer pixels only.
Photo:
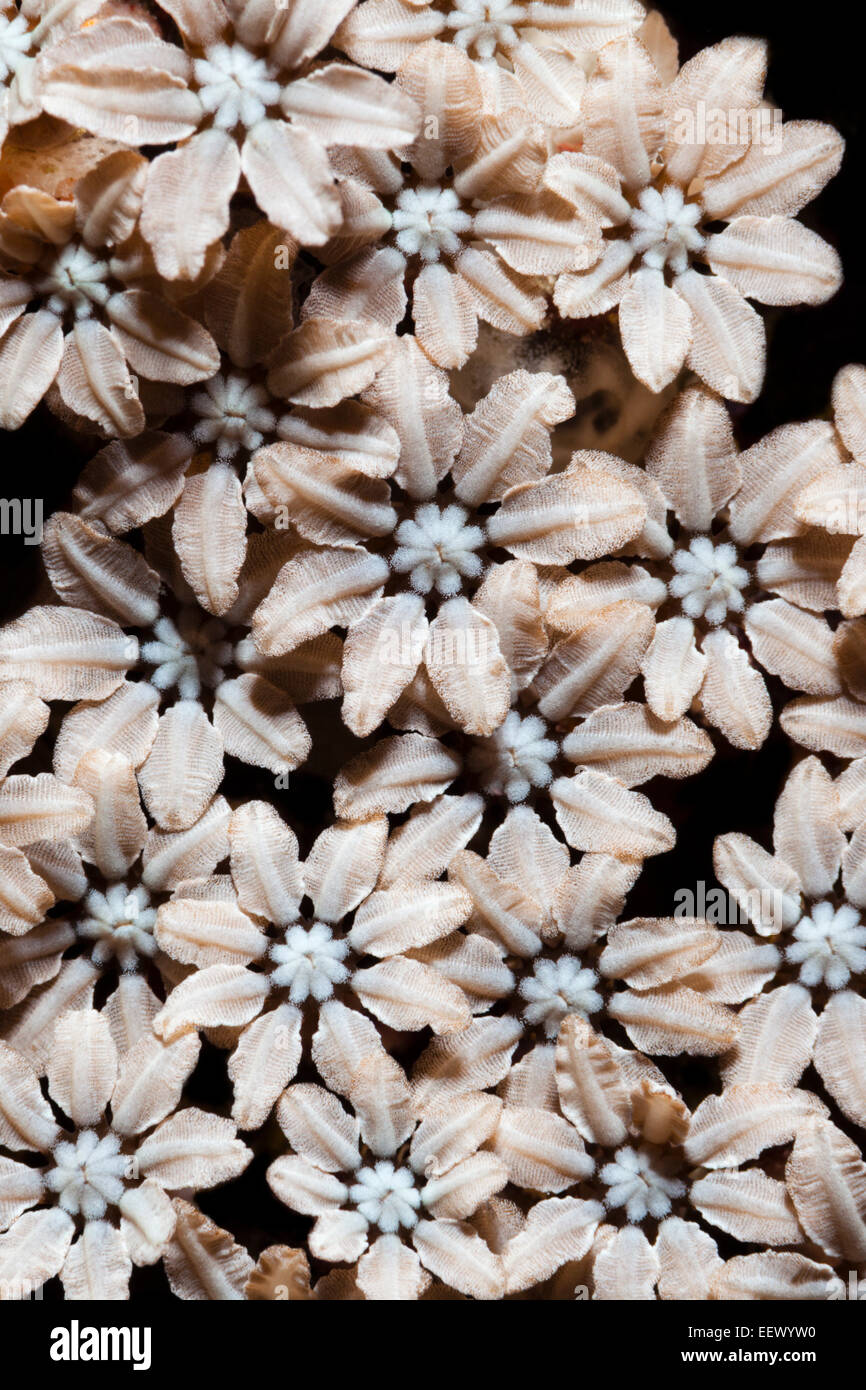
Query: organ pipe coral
[{"x": 413, "y": 572}]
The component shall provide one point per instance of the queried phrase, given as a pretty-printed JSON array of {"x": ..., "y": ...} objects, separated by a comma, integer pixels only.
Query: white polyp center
[
  {"x": 120, "y": 922},
  {"x": 664, "y": 229},
  {"x": 309, "y": 963},
  {"x": 708, "y": 580},
  {"x": 192, "y": 654},
  {"x": 515, "y": 758},
  {"x": 73, "y": 279},
  {"x": 88, "y": 1174},
  {"x": 556, "y": 988},
  {"x": 16, "y": 40},
  {"x": 829, "y": 946},
  {"x": 234, "y": 413},
  {"x": 234, "y": 86},
  {"x": 485, "y": 26},
  {"x": 641, "y": 1181},
  {"x": 429, "y": 222},
  {"x": 437, "y": 549},
  {"x": 386, "y": 1196}
]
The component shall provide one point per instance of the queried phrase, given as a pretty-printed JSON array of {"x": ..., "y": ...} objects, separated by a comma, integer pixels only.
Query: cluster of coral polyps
[{"x": 403, "y": 335}]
